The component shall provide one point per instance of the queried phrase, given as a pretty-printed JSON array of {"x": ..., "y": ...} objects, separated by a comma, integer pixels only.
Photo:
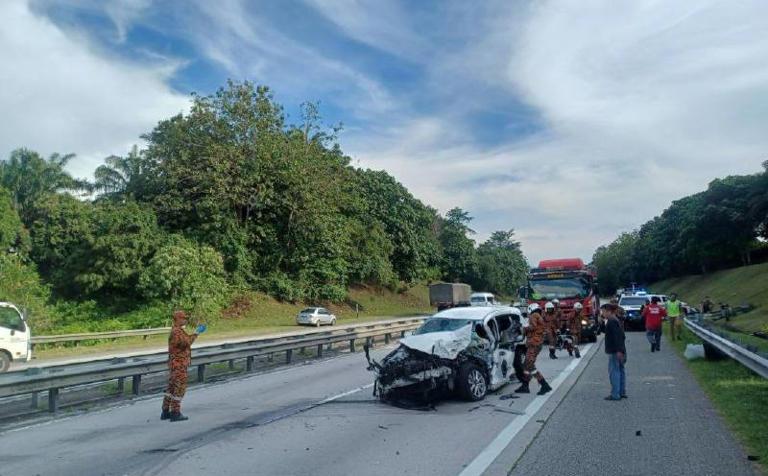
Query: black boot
[
  {"x": 545, "y": 388},
  {"x": 523, "y": 388},
  {"x": 578, "y": 354},
  {"x": 177, "y": 416},
  {"x": 653, "y": 347},
  {"x": 552, "y": 354},
  {"x": 165, "y": 415}
]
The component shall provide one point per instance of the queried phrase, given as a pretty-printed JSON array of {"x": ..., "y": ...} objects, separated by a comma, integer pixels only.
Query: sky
[{"x": 570, "y": 121}]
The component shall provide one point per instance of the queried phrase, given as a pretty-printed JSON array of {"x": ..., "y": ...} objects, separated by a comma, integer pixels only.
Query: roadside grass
[
  {"x": 250, "y": 314},
  {"x": 737, "y": 286},
  {"x": 738, "y": 394}
]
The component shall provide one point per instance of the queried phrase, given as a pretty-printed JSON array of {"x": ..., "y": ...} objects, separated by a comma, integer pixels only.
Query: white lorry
[{"x": 15, "y": 337}]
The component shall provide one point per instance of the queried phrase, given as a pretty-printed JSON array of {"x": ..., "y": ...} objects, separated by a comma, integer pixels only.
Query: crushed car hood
[{"x": 446, "y": 345}]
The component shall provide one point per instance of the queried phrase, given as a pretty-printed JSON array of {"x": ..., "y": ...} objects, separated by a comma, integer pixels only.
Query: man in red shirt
[{"x": 653, "y": 314}]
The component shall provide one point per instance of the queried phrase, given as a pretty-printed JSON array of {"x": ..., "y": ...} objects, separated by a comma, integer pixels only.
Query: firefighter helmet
[{"x": 533, "y": 307}]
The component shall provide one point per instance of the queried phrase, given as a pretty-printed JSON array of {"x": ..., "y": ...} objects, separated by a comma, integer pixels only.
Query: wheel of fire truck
[
  {"x": 5, "y": 362},
  {"x": 471, "y": 383}
]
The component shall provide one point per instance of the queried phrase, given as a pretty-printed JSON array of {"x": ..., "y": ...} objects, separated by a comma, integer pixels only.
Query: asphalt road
[
  {"x": 667, "y": 426},
  {"x": 313, "y": 419},
  {"x": 320, "y": 419}
]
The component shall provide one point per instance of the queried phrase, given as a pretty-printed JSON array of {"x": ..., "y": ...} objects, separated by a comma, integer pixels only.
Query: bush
[
  {"x": 186, "y": 276},
  {"x": 21, "y": 285}
]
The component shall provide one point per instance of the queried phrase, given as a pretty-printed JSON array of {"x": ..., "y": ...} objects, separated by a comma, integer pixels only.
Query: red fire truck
[{"x": 569, "y": 281}]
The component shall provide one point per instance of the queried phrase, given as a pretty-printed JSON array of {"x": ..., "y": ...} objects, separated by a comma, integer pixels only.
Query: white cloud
[
  {"x": 61, "y": 95},
  {"x": 644, "y": 102}
]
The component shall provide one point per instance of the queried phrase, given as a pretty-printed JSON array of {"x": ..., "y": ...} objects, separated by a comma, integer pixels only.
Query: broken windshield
[{"x": 442, "y": 325}]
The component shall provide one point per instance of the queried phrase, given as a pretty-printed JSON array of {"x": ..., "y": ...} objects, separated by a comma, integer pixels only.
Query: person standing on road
[
  {"x": 533, "y": 342},
  {"x": 179, "y": 358},
  {"x": 621, "y": 314},
  {"x": 674, "y": 311},
  {"x": 552, "y": 323},
  {"x": 653, "y": 314},
  {"x": 575, "y": 327},
  {"x": 616, "y": 349}
]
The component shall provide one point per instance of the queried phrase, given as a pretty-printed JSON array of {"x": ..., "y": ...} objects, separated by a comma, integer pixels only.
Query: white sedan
[{"x": 315, "y": 316}]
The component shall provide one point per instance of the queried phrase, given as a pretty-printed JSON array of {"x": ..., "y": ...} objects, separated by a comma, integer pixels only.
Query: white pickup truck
[{"x": 15, "y": 337}]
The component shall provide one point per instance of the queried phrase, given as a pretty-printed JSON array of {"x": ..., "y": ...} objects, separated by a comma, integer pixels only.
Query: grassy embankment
[
  {"x": 255, "y": 314},
  {"x": 739, "y": 395},
  {"x": 745, "y": 285}
]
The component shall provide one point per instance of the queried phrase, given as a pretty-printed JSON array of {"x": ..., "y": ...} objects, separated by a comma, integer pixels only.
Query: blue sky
[{"x": 570, "y": 121}]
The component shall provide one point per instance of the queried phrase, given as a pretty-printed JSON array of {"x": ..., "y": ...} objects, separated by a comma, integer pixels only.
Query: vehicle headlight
[{"x": 583, "y": 322}]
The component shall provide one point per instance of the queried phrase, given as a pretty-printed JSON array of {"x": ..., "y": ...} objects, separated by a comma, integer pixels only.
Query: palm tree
[
  {"x": 29, "y": 177},
  {"x": 121, "y": 177}
]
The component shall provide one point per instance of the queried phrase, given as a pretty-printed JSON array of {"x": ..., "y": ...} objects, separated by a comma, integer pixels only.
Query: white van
[
  {"x": 15, "y": 337},
  {"x": 483, "y": 299}
]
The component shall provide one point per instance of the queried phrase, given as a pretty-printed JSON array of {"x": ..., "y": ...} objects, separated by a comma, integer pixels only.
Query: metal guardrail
[
  {"x": 56, "y": 339},
  {"x": 54, "y": 378},
  {"x": 749, "y": 359}
]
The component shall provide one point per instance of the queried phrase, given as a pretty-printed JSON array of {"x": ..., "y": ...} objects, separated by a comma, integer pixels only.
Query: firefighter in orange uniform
[
  {"x": 552, "y": 324},
  {"x": 179, "y": 359},
  {"x": 534, "y": 340}
]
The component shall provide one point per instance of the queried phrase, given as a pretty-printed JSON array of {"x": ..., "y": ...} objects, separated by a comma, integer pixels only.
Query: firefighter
[
  {"x": 534, "y": 340},
  {"x": 551, "y": 322},
  {"x": 575, "y": 326},
  {"x": 179, "y": 358}
]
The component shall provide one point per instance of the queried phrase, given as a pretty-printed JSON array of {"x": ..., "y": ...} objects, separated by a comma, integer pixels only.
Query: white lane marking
[
  {"x": 502, "y": 440},
  {"x": 342, "y": 395}
]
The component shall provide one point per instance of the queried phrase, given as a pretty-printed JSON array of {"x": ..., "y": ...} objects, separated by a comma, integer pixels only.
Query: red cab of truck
[{"x": 569, "y": 281}]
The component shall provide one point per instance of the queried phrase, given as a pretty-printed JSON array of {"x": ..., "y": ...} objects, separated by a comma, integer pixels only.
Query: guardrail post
[
  {"x": 329, "y": 347},
  {"x": 319, "y": 350},
  {"x": 270, "y": 357},
  {"x": 34, "y": 403},
  {"x": 402, "y": 334},
  {"x": 231, "y": 365},
  {"x": 386, "y": 338},
  {"x": 201, "y": 373},
  {"x": 249, "y": 364},
  {"x": 53, "y": 400},
  {"x": 121, "y": 385},
  {"x": 288, "y": 356},
  {"x": 136, "y": 384}
]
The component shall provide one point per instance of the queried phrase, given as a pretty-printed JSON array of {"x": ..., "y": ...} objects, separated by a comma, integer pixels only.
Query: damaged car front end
[{"x": 467, "y": 352}]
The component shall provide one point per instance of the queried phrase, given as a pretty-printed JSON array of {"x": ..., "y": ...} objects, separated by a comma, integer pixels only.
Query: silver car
[{"x": 315, "y": 316}]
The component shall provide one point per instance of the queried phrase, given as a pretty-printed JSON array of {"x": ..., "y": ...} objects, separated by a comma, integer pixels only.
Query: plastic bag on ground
[{"x": 694, "y": 351}]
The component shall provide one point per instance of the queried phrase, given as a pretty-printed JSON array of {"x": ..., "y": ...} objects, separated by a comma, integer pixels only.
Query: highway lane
[
  {"x": 318, "y": 418},
  {"x": 667, "y": 426}
]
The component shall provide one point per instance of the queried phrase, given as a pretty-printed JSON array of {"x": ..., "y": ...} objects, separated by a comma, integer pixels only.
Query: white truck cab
[
  {"x": 483, "y": 299},
  {"x": 15, "y": 337}
]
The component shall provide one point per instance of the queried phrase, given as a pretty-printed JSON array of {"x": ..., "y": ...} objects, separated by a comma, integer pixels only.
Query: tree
[
  {"x": 502, "y": 268},
  {"x": 459, "y": 254},
  {"x": 28, "y": 177},
  {"x": 188, "y": 276},
  {"x": 122, "y": 178}
]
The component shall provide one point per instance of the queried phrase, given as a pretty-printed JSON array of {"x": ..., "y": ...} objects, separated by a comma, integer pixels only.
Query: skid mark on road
[
  {"x": 503, "y": 439},
  {"x": 197, "y": 441}
]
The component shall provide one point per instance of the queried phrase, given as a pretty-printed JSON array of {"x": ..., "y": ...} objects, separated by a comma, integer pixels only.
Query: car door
[
  {"x": 503, "y": 355},
  {"x": 13, "y": 332},
  {"x": 325, "y": 316}
]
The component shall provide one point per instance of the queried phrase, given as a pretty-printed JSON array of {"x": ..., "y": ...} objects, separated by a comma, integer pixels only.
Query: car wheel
[
  {"x": 472, "y": 384},
  {"x": 5, "y": 362},
  {"x": 317, "y": 324},
  {"x": 333, "y": 322}
]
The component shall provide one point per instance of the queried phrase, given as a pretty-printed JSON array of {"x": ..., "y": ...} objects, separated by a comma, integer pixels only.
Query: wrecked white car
[{"x": 466, "y": 351}]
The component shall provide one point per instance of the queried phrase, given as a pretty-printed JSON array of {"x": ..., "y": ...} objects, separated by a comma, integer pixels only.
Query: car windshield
[
  {"x": 9, "y": 318},
  {"x": 309, "y": 310},
  {"x": 559, "y": 288},
  {"x": 478, "y": 299},
  {"x": 442, "y": 325},
  {"x": 633, "y": 301}
]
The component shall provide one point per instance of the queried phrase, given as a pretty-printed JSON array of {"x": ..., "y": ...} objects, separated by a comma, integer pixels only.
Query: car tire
[
  {"x": 317, "y": 324},
  {"x": 5, "y": 362},
  {"x": 333, "y": 322},
  {"x": 472, "y": 384}
]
